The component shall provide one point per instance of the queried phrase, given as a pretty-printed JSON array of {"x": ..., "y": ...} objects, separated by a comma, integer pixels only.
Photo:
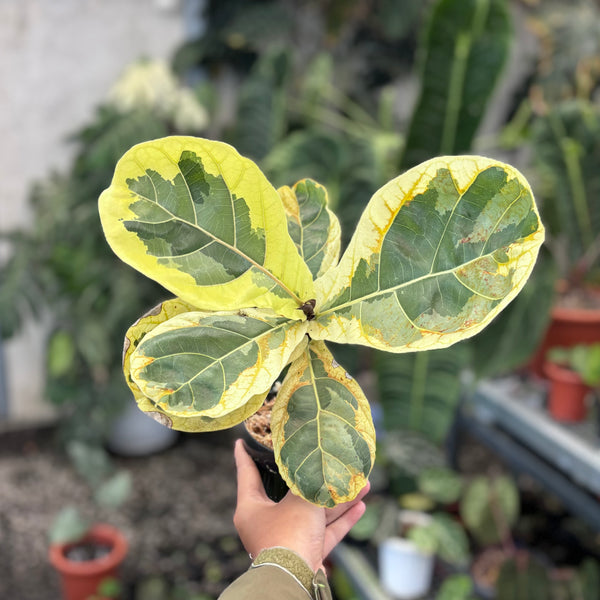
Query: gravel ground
[{"x": 178, "y": 519}]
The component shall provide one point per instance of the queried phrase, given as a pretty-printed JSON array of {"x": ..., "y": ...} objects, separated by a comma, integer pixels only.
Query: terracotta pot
[
  {"x": 80, "y": 580},
  {"x": 569, "y": 327},
  {"x": 573, "y": 326},
  {"x": 567, "y": 395}
]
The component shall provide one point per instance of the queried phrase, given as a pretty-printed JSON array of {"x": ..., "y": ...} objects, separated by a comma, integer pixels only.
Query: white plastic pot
[
  {"x": 404, "y": 571},
  {"x": 134, "y": 433}
]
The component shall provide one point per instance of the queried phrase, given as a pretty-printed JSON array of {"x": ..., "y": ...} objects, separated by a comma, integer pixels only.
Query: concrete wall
[{"x": 58, "y": 58}]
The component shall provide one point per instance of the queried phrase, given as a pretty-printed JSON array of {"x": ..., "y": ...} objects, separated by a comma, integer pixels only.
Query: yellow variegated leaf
[
  {"x": 202, "y": 424},
  {"x": 206, "y": 224},
  {"x": 437, "y": 254},
  {"x": 212, "y": 369},
  {"x": 136, "y": 332},
  {"x": 323, "y": 435},
  {"x": 314, "y": 228}
]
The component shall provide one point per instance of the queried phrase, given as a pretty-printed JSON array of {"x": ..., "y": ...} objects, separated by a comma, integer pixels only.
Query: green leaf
[
  {"x": 205, "y": 223},
  {"x": 159, "y": 314},
  {"x": 566, "y": 143},
  {"x": 61, "y": 353},
  {"x": 110, "y": 587},
  {"x": 464, "y": 49},
  {"x": 262, "y": 105},
  {"x": 586, "y": 360},
  {"x": 589, "y": 578},
  {"x": 455, "y": 587},
  {"x": 437, "y": 254},
  {"x": 314, "y": 153},
  {"x": 489, "y": 508},
  {"x": 506, "y": 345},
  {"x": 68, "y": 526},
  {"x": 583, "y": 359},
  {"x": 114, "y": 491},
  {"x": 440, "y": 484},
  {"x": 90, "y": 461},
  {"x": 314, "y": 228},
  {"x": 424, "y": 538},
  {"x": 323, "y": 435},
  {"x": 208, "y": 366},
  {"x": 409, "y": 453},
  {"x": 367, "y": 525},
  {"x": 452, "y": 541},
  {"x": 523, "y": 578},
  {"x": 420, "y": 391}
]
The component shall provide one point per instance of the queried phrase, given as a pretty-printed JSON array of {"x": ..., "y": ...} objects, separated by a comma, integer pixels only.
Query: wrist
[{"x": 290, "y": 561}]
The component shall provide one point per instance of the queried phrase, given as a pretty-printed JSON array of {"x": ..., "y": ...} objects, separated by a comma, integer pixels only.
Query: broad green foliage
[
  {"x": 420, "y": 391},
  {"x": 314, "y": 228},
  {"x": 322, "y": 430},
  {"x": 489, "y": 508},
  {"x": 439, "y": 270},
  {"x": 171, "y": 417},
  {"x": 465, "y": 46},
  {"x": 566, "y": 146},
  {"x": 209, "y": 364},
  {"x": 437, "y": 254},
  {"x": 205, "y": 223}
]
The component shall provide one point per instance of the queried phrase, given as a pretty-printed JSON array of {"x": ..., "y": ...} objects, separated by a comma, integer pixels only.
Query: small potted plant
[
  {"x": 573, "y": 373},
  {"x": 406, "y": 559},
  {"x": 86, "y": 555},
  {"x": 566, "y": 141},
  {"x": 89, "y": 563},
  {"x": 438, "y": 252}
]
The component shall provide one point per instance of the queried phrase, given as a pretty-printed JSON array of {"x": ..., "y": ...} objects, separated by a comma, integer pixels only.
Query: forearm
[{"x": 278, "y": 573}]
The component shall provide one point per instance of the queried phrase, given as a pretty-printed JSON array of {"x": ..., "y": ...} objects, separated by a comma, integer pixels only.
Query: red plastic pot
[
  {"x": 569, "y": 327},
  {"x": 567, "y": 396},
  {"x": 80, "y": 580}
]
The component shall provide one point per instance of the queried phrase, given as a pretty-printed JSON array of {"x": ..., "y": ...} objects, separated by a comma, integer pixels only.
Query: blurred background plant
[
  {"x": 583, "y": 359},
  {"x": 349, "y": 94},
  {"x": 62, "y": 267},
  {"x": 110, "y": 488}
]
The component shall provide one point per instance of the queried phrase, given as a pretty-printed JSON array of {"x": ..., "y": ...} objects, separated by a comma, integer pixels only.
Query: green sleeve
[{"x": 278, "y": 573}]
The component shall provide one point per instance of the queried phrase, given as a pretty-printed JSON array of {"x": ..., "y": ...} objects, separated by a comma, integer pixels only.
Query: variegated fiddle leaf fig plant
[{"x": 437, "y": 254}]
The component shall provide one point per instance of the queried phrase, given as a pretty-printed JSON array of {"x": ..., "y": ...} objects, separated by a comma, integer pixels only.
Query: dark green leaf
[{"x": 464, "y": 48}]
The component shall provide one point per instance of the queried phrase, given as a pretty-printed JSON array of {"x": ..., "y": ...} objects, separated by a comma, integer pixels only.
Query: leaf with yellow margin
[
  {"x": 207, "y": 367},
  {"x": 206, "y": 224},
  {"x": 323, "y": 434},
  {"x": 437, "y": 254},
  {"x": 134, "y": 335},
  {"x": 314, "y": 228}
]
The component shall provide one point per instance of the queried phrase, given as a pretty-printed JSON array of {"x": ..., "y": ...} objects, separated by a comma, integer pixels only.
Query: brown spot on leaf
[
  {"x": 126, "y": 344},
  {"x": 153, "y": 312},
  {"x": 161, "y": 418}
]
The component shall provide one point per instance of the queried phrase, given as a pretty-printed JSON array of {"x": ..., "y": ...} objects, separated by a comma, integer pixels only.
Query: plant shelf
[{"x": 508, "y": 416}]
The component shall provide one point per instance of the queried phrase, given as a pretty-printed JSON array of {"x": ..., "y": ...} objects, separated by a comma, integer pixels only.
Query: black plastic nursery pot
[
  {"x": 264, "y": 458},
  {"x": 256, "y": 436}
]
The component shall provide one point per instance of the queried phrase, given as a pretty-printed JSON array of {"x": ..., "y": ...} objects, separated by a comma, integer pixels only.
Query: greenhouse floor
[{"x": 178, "y": 519}]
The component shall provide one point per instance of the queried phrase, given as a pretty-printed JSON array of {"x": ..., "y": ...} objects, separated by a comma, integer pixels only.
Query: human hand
[{"x": 311, "y": 531}]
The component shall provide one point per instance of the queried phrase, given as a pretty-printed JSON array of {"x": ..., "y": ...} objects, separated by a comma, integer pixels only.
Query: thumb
[{"x": 249, "y": 482}]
